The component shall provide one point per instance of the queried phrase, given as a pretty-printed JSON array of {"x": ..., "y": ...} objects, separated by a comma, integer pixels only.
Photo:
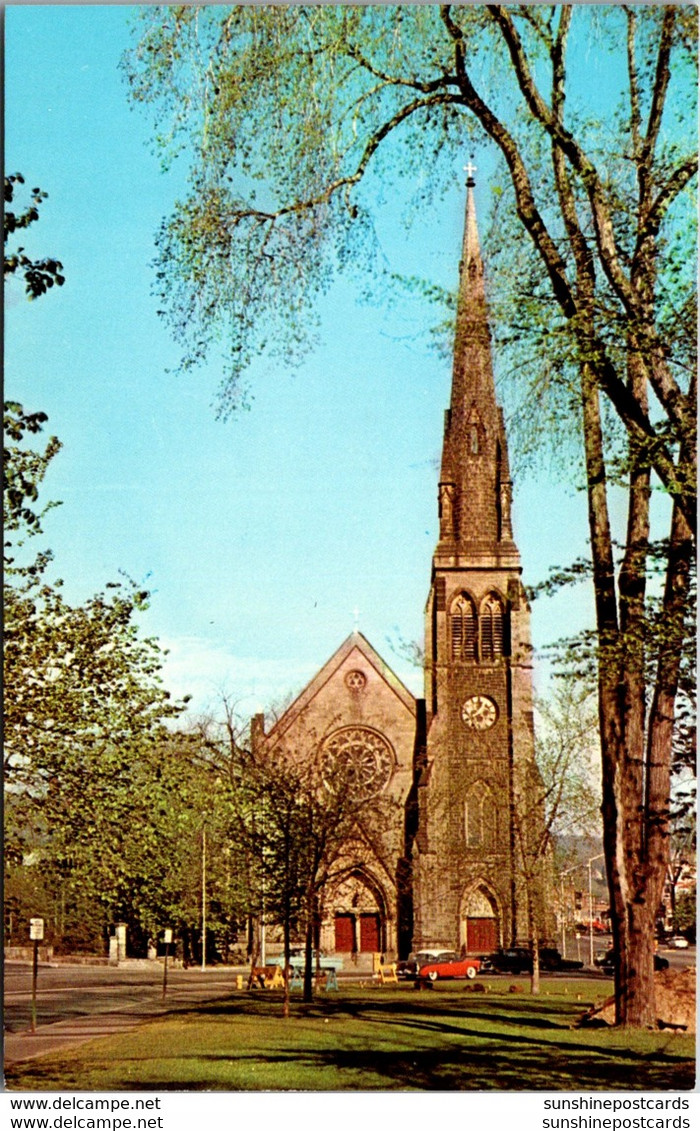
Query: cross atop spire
[{"x": 470, "y": 169}]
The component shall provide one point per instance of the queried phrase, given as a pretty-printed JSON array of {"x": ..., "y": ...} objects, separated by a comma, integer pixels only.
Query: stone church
[{"x": 459, "y": 764}]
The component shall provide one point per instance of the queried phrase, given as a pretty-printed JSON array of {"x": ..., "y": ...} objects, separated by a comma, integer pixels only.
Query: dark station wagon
[{"x": 518, "y": 960}]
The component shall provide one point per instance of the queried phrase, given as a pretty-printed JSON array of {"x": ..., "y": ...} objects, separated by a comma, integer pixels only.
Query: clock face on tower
[{"x": 479, "y": 712}]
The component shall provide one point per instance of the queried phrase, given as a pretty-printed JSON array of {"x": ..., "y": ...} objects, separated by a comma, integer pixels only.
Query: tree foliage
[
  {"x": 39, "y": 275},
  {"x": 297, "y": 826},
  {"x": 85, "y": 719},
  {"x": 558, "y": 799}
]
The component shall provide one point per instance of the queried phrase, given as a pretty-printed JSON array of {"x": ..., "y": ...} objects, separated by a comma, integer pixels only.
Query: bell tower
[{"x": 479, "y": 757}]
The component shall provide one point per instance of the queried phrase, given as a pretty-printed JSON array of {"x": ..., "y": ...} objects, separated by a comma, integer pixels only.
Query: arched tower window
[
  {"x": 491, "y": 628},
  {"x": 463, "y": 628},
  {"x": 480, "y": 818}
]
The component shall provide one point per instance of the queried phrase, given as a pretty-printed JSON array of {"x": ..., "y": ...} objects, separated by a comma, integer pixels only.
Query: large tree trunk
[
  {"x": 622, "y": 772},
  {"x": 636, "y": 922},
  {"x": 637, "y": 780}
]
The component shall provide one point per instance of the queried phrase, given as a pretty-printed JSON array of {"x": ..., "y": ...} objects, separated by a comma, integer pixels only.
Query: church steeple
[
  {"x": 474, "y": 492},
  {"x": 479, "y": 754}
]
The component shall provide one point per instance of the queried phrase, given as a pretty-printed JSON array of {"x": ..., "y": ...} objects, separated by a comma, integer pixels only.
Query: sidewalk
[{"x": 26, "y": 1045}]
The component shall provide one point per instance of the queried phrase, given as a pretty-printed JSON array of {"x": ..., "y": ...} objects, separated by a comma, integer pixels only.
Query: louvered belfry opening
[
  {"x": 491, "y": 629},
  {"x": 475, "y": 638},
  {"x": 463, "y": 625}
]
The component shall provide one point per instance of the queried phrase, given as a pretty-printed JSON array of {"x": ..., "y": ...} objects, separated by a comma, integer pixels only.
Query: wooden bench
[
  {"x": 385, "y": 974},
  {"x": 266, "y": 978}
]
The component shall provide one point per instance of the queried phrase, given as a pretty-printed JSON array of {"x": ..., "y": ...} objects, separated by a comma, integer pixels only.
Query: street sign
[
  {"x": 167, "y": 939},
  {"x": 36, "y": 930}
]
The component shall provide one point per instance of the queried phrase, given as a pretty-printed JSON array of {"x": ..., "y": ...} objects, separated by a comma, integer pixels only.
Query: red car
[{"x": 455, "y": 967}]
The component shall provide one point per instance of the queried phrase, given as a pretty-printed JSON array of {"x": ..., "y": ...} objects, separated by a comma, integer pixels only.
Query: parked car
[
  {"x": 409, "y": 967},
  {"x": 297, "y": 961},
  {"x": 511, "y": 960},
  {"x": 551, "y": 959},
  {"x": 680, "y": 942},
  {"x": 605, "y": 961},
  {"x": 453, "y": 967},
  {"x": 518, "y": 960},
  {"x": 599, "y": 927}
]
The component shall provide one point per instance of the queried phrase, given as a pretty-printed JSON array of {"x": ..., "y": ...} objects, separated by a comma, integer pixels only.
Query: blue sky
[{"x": 260, "y": 536}]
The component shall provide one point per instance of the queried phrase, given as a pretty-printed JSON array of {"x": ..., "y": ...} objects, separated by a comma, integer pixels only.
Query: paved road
[
  {"x": 79, "y": 1003},
  {"x": 65, "y": 992},
  {"x": 579, "y": 948}
]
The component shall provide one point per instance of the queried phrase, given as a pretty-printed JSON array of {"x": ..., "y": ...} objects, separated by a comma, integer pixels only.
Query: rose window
[{"x": 357, "y": 759}]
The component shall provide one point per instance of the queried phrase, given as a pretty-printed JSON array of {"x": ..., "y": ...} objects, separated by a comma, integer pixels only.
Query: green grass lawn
[{"x": 382, "y": 1039}]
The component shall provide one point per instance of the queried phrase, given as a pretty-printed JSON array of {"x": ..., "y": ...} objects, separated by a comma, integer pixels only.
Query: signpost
[
  {"x": 167, "y": 939},
  {"x": 36, "y": 934}
]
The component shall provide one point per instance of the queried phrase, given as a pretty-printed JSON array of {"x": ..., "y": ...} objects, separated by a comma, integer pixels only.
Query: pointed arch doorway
[
  {"x": 357, "y": 914},
  {"x": 480, "y": 922}
]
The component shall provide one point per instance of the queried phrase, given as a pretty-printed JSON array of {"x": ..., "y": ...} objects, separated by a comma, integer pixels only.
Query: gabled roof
[{"x": 355, "y": 642}]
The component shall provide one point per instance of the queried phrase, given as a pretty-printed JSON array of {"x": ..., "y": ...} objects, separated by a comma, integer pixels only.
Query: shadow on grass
[
  {"x": 447, "y": 1042},
  {"x": 494, "y": 1067},
  {"x": 383, "y": 1007}
]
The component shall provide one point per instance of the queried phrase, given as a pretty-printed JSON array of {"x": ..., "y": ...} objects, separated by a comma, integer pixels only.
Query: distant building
[{"x": 460, "y": 763}]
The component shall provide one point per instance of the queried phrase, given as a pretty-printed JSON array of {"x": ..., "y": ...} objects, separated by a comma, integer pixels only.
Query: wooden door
[
  {"x": 344, "y": 934},
  {"x": 369, "y": 933},
  {"x": 481, "y": 936}
]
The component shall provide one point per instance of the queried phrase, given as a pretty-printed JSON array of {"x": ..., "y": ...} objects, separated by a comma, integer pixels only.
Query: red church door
[
  {"x": 369, "y": 933},
  {"x": 481, "y": 935},
  {"x": 344, "y": 934}
]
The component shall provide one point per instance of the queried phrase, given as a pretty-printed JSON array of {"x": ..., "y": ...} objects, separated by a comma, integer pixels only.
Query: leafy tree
[
  {"x": 290, "y": 116},
  {"x": 686, "y": 912},
  {"x": 85, "y": 714},
  {"x": 39, "y": 274},
  {"x": 297, "y": 826},
  {"x": 683, "y": 849},
  {"x": 558, "y": 799}
]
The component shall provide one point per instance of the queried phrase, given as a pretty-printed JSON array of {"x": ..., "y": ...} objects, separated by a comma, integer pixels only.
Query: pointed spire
[
  {"x": 472, "y": 312},
  {"x": 474, "y": 498},
  {"x": 471, "y": 252}
]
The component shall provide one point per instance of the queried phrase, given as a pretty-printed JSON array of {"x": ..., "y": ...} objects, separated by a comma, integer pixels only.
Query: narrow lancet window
[{"x": 480, "y": 818}]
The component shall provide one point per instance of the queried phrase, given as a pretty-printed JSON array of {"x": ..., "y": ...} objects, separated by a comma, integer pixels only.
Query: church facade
[{"x": 449, "y": 869}]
